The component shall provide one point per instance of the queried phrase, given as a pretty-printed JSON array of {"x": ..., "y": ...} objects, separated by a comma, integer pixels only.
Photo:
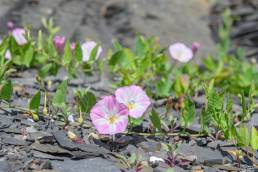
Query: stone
[
  {"x": 5, "y": 166},
  {"x": 5, "y": 121},
  {"x": 66, "y": 143},
  {"x": 202, "y": 153},
  {"x": 254, "y": 120},
  {"x": 86, "y": 165},
  {"x": 42, "y": 155},
  {"x": 13, "y": 141},
  {"x": 47, "y": 148}
]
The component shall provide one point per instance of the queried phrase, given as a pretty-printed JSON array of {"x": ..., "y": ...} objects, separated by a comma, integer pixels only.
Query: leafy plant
[
  {"x": 217, "y": 114},
  {"x": 187, "y": 115},
  {"x": 84, "y": 102}
]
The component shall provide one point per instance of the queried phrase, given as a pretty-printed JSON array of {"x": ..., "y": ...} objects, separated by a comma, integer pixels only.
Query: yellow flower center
[
  {"x": 112, "y": 119},
  {"x": 130, "y": 106},
  {"x": 178, "y": 54}
]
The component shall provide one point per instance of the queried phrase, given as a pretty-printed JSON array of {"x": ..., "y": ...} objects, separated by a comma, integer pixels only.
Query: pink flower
[
  {"x": 195, "y": 47},
  {"x": 87, "y": 48},
  {"x": 10, "y": 26},
  {"x": 72, "y": 46},
  {"x": 109, "y": 116},
  {"x": 19, "y": 36},
  {"x": 134, "y": 98},
  {"x": 8, "y": 55},
  {"x": 180, "y": 52},
  {"x": 59, "y": 43}
]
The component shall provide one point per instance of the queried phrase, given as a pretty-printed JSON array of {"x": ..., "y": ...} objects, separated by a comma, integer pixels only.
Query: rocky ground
[{"x": 245, "y": 27}]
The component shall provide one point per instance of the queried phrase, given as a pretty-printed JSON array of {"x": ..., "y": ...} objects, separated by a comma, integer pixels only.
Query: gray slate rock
[
  {"x": 13, "y": 141},
  {"x": 4, "y": 166},
  {"x": 86, "y": 165}
]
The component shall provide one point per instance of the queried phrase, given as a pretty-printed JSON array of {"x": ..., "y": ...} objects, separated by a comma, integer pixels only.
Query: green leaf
[
  {"x": 85, "y": 100},
  {"x": 155, "y": 119},
  {"x": 163, "y": 87},
  {"x": 124, "y": 57},
  {"x": 67, "y": 53},
  {"x": 78, "y": 52},
  {"x": 35, "y": 102},
  {"x": 254, "y": 139},
  {"x": 117, "y": 45},
  {"x": 94, "y": 52},
  {"x": 135, "y": 121},
  {"x": 28, "y": 56},
  {"x": 243, "y": 136},
  {"x": 6, "y": 91},
  {"x": 43, "y": 72},
  {"x": 59, "y": 98},
  {"x": 140, "y": 45},
  {"x": 187, "y": 113}
]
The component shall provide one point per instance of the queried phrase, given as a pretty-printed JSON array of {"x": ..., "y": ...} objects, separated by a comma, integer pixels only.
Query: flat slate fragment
[
  {"x": 87, "y": 165},
  {"x": 66, "y": 143},
  {"x": 13, "y": 141},
  {"x": 4, "y": 166},
  {"x": 42, "y": 155},
  {"x": 47, "y": 148}
]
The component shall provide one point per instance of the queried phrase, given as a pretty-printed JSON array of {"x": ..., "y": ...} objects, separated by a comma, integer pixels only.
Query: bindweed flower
[
  {"x": 134, "y": 98},
  {"x": 10, "y": 26},
  {"x": 19, "y": 36},
  {"x": 195, "y": 47},
  {"x": 180, "y": 52},
  {"x": 87, "y": 49},
  {"x": 109, "y": 116},
  {"x": 72, "y": 46},
  {"x": 59, "y": 43},
  {"x": 8, "y": 55}
]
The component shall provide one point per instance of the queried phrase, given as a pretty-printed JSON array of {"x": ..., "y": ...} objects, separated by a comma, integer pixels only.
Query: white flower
[
  {"x": 180, "y": 52},
  {"x": 19, "y": 36},
  {"x": 87, "y": 49}
]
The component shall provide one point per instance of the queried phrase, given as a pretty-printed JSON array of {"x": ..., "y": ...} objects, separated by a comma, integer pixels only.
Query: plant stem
[{"x": 166, "y": 134}]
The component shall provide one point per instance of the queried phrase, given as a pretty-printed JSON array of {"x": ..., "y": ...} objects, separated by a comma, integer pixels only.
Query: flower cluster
[
  {"x": 86, "y": 47},
  {"x": 110, "y": 114}
]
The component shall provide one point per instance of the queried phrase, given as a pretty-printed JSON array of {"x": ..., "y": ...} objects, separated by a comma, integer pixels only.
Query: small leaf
[
  {"x": 67, "y": 53},
  {"x": 155, "y": 120},
  {"x": 59, "y": 98},
  {"x": 6, "y": 91},
  {"x": 35, "y": 102},
  {"x": 78, "y": 52},
  {"x": 243, "y": 136},
  {"x": 85, "y": 99},
  {"x": 254, "y": 139},
  {"x": 28, "y": 56},
  {"x": 43, "y": 72},
  {"x": 94, "y": 52},
  {"x": 135, "y": 121}
]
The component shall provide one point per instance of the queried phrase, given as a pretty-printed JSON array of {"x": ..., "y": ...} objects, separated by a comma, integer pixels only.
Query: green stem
[{"x": 166, "y": 134}]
